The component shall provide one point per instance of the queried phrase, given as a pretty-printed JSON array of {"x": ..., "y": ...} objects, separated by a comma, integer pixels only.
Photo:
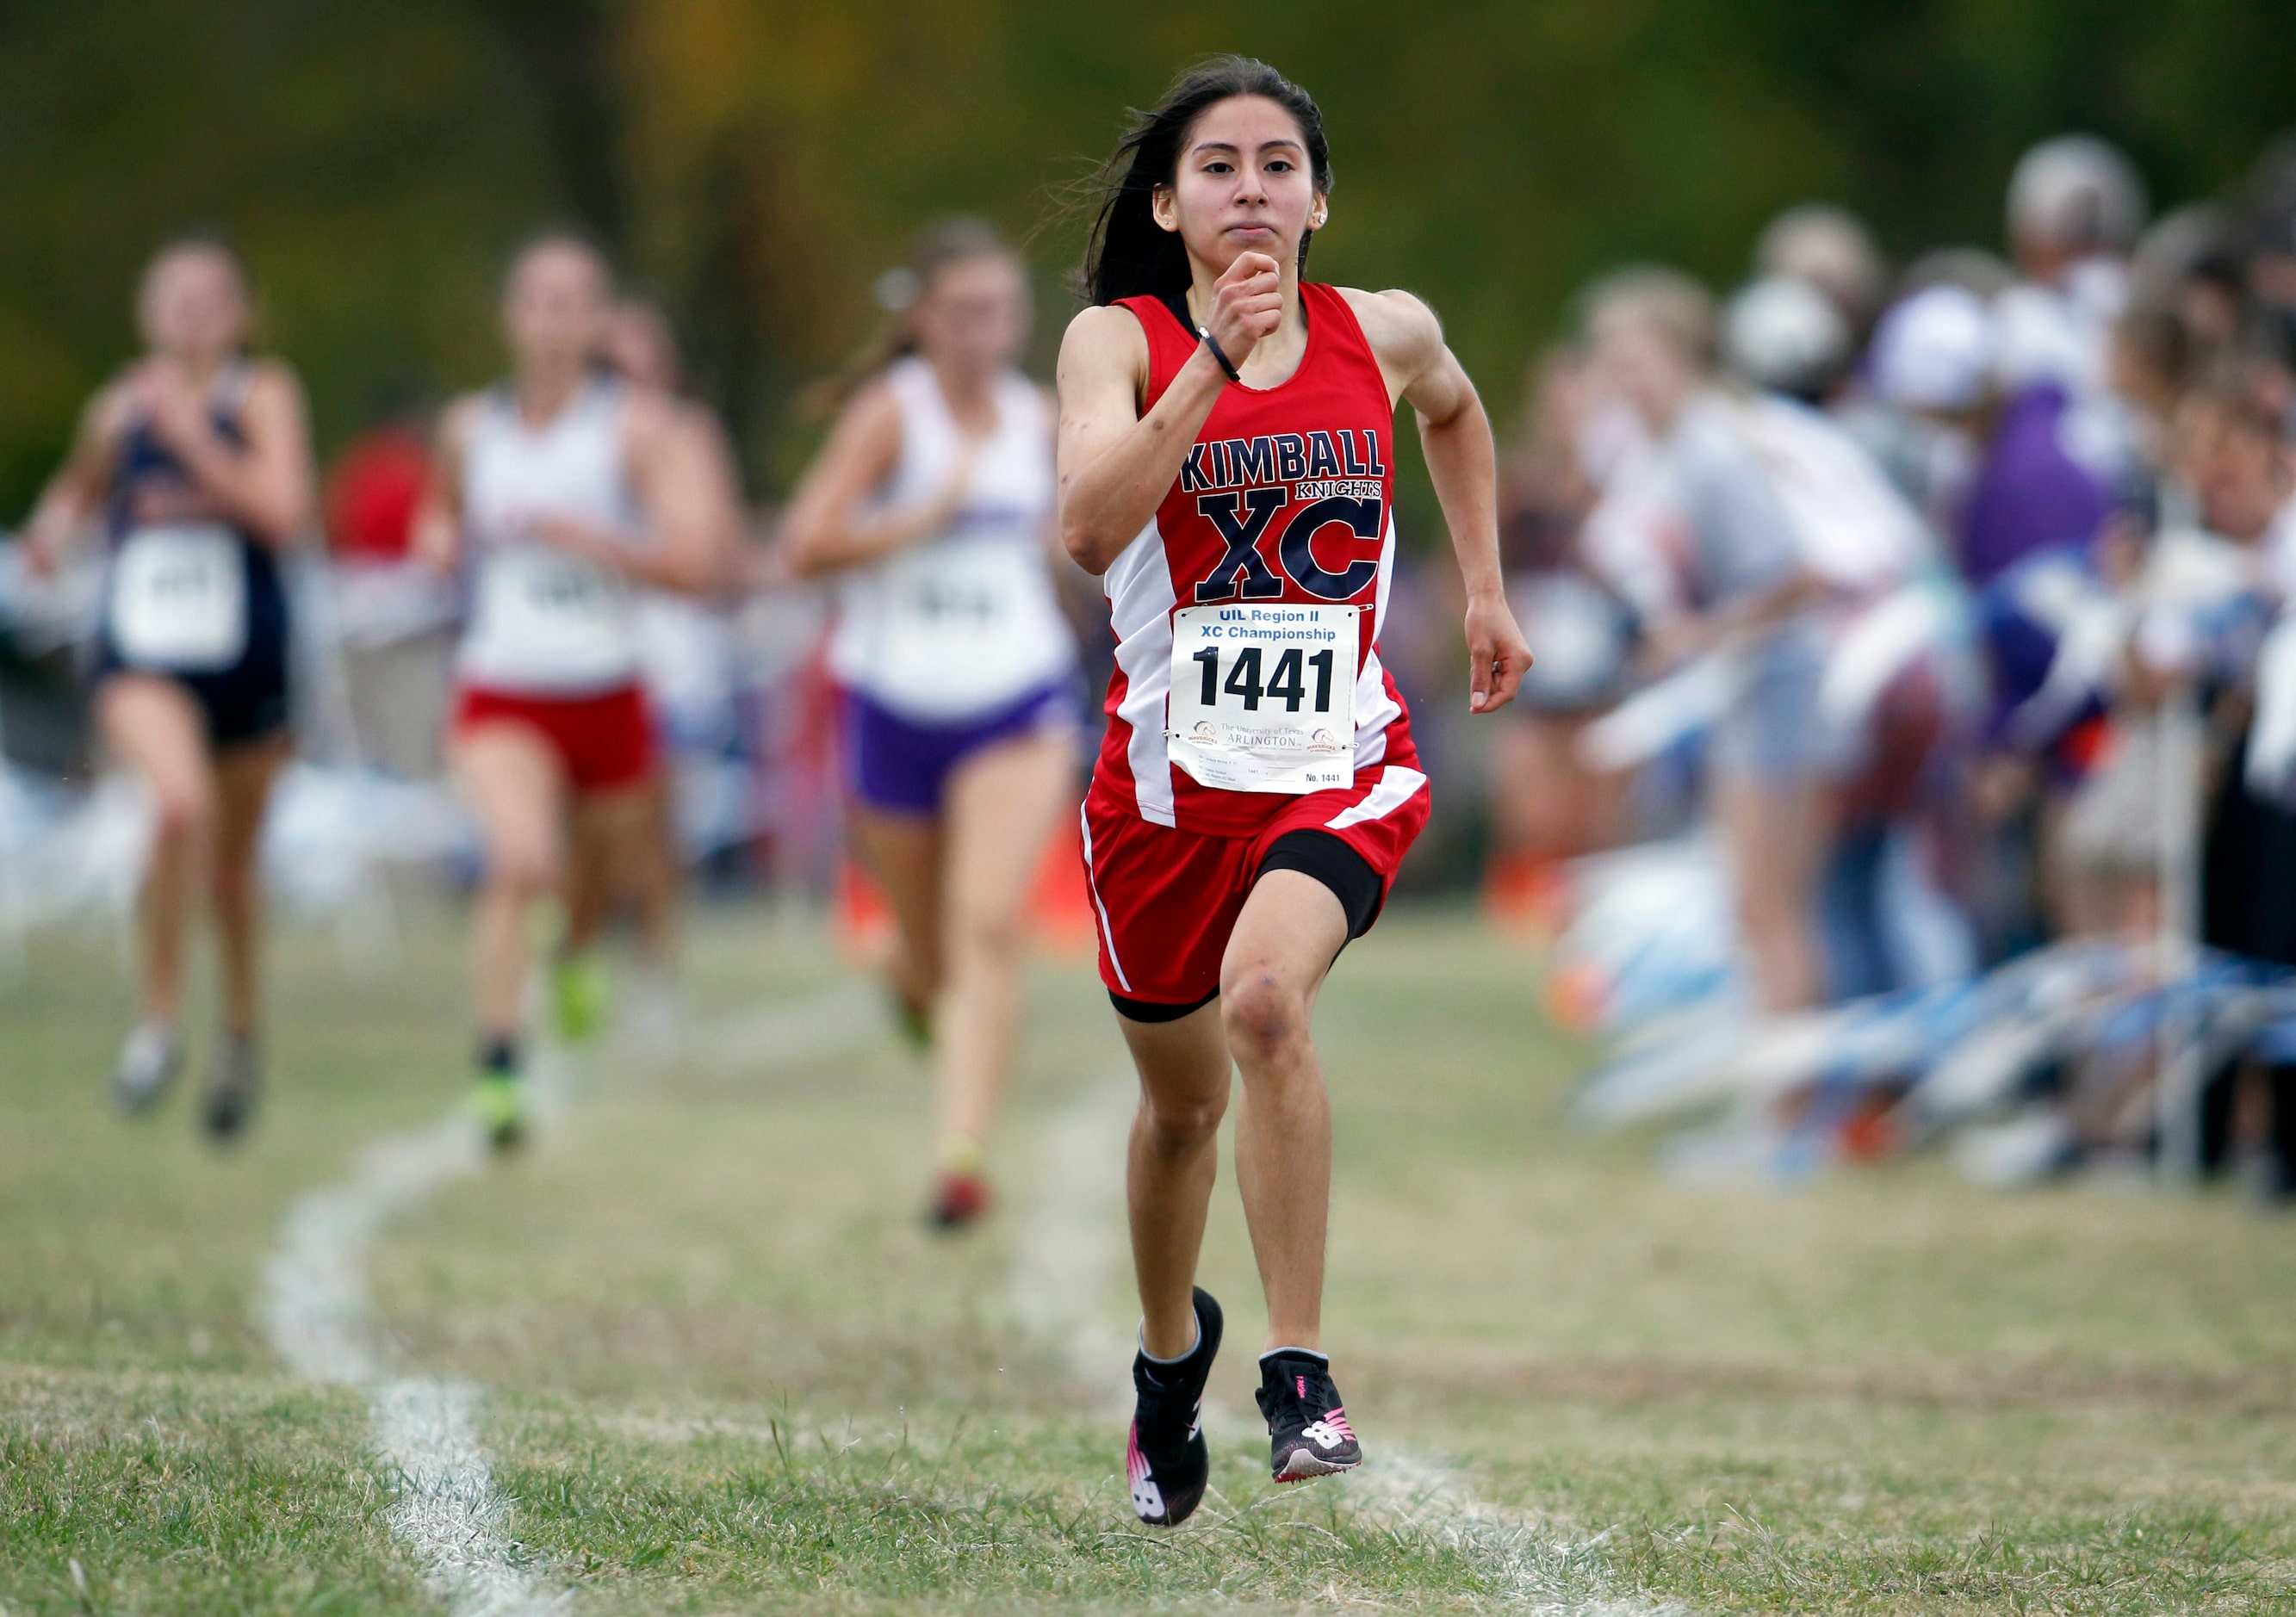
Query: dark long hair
[{"x": 1129, "y": 253}]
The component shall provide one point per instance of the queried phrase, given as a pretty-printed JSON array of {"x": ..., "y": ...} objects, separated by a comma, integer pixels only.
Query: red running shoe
[{"x": 958, "y": 1200}]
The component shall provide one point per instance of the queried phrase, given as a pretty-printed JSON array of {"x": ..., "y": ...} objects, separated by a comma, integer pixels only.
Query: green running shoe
[
  {"x": 915, "y": 1023},
  {"x": 581, "y": 996},
  {"x": 498, "y": 1103}
]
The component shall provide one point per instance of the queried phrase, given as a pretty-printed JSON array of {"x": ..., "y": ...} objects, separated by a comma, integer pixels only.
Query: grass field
[{"x": 721, "y": 1367}]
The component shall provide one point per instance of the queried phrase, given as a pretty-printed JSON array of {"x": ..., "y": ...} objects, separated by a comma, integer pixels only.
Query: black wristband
[{"x": 1219, "y": 354}]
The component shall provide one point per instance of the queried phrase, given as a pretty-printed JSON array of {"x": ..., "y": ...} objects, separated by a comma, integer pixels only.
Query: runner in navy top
[
  {"x": 198, "y": 461},
  {"x": 1226, "y": 462}
]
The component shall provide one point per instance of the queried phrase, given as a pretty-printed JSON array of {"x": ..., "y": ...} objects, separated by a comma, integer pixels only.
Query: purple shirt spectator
[{"x": 2029, "y": 494}]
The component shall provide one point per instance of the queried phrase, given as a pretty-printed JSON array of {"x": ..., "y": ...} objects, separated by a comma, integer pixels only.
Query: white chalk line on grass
[
  {"x": 321, "y": 1320},
  {"x": 1071, "y": 1245}
]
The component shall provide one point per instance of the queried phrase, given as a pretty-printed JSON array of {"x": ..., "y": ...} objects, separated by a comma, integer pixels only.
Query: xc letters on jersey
[{"x": 1325, "y": 486}]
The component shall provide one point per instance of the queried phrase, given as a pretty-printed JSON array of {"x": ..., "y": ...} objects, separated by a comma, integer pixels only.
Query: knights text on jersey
[{"x": 1247, "y": 613}]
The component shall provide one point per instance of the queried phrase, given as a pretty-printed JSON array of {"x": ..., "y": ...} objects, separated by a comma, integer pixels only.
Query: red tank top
[{"x": 1287, "y": 496}]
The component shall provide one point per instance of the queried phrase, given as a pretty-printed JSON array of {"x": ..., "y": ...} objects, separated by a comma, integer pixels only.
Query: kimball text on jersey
[{"x": 1281, "y": 457}]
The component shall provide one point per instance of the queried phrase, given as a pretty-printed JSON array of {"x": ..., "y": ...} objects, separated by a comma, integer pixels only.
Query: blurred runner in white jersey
[
  {"x": 559, "y": 492},
  {"x": 932, "y": 505}
]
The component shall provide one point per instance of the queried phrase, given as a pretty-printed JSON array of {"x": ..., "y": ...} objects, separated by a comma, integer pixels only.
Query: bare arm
[
  {"x": 1455, "y": 434},
  {"x": 1115, "y": 463},
  {"x": 266, "y": 486},
  {"x": 687, "y": 489},
  {"x": 75, "y": 495},
  {"x": 823, "y": 528}
]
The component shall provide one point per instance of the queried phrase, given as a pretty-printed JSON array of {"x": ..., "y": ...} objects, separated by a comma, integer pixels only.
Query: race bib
[
  {"x": 179, "y": 599},
  {"x": 557, "y": 610},
  {"x": 1264, "y": 697},
  {"x": 960, "y": 627},
  {"x": 966, "y": 627}
]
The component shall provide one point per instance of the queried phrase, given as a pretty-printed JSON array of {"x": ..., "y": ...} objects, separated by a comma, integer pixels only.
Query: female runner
[
  {"x": 1226, "y": 447},
  {"x": 200, "y": 462},
  {"x": 562, "y": 490},
  {"x": 932, "y": 503}
]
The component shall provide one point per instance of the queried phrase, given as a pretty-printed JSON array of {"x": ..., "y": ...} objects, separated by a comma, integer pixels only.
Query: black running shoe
[
  {"x": 1166, "y": 1456},
  {"x": 1307, "y": 1431},
  {"x": 237, "y": 1085}
]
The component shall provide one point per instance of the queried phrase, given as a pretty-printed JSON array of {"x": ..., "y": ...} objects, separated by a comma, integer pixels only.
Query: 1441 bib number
[{"x": 1264, "y": 697}]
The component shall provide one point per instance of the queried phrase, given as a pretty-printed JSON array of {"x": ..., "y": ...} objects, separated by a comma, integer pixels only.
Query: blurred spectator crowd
[{"x": 1906, "y": 625}]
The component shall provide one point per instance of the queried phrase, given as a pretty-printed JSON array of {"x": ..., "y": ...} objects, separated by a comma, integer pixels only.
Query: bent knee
[
  {"x": 183, "y": 813},
  {"x": 1262, "y": 1018},
  {"x": 1177, "y": 1124},
  {"x": 997, "y": 938}
]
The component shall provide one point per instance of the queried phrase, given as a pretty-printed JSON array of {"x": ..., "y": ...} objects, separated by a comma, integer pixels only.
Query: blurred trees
[{"x": 757, "y": 162}]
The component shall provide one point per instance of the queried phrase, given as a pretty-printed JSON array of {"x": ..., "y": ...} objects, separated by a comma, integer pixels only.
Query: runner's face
[
  {"x": 194, "y": 306},
  {"x": 973, "y": 317},
  {"x": 555, "y": 312},
  {"x": 1242, "y": 185}
]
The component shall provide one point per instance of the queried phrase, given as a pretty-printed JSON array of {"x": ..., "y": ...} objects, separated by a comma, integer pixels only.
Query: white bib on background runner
[
  {"x": 961, "y": 626},
  {"x": 179, "y": 597},
  {"x": 565, "y": 613},
  {"x": 1263, "y": 696},
  {"x": 965, "y": 620},
  {"x": 545, "y": 622}
]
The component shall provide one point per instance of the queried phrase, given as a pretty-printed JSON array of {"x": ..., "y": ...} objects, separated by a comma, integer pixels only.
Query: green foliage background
[{"x": 757, "y": 162}]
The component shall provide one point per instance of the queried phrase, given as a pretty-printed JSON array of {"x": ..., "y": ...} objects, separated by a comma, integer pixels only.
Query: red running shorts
[
  {"x": 1166, "y": 899},
  {"x": 604, "y": 742}
]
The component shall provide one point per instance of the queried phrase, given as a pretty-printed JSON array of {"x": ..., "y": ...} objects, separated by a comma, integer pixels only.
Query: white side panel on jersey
[
  {"x": 1140, "y": 602},
  {"x": 1371, "y": 750},
  {"x": 1395, "y": 789},
  {"x": 1376, "y": 710}
]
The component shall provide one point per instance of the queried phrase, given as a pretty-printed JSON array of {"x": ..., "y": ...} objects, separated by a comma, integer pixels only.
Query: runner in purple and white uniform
[{"x": 932, "y": 507}]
